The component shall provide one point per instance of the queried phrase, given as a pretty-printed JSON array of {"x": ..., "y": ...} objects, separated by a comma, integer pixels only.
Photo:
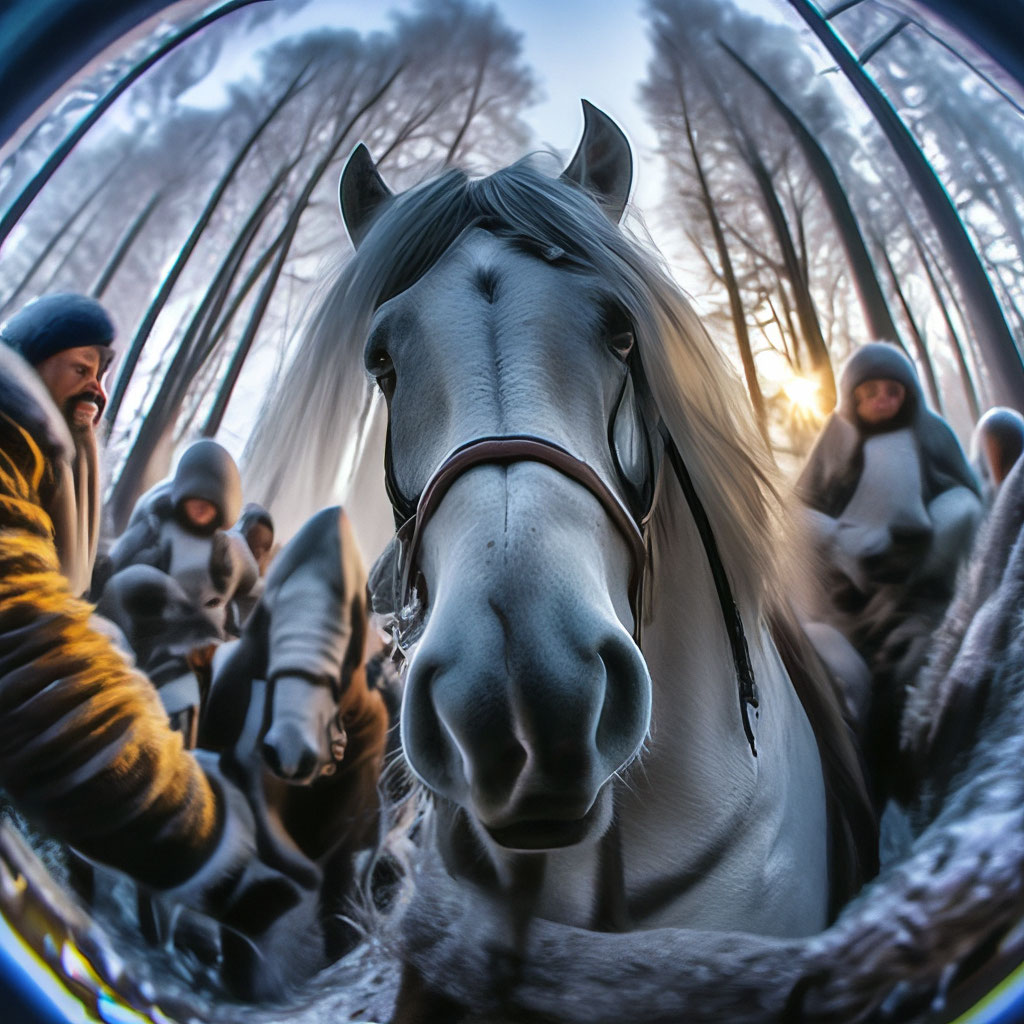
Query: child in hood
[{"x": 181, "y": 527}]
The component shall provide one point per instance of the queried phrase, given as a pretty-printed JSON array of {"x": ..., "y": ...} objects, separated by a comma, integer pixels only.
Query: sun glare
[{"x": 803, "y": 393}]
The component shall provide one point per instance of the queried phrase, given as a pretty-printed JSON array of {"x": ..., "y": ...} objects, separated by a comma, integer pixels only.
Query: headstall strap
[{"x": 730, "y": 611}]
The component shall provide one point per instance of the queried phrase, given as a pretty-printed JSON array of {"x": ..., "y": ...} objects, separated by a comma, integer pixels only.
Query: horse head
[{"x": 519, "y": 483}]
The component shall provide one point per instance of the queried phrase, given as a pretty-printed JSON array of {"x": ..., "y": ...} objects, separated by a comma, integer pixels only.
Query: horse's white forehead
[{"x": 523, "y": 332}]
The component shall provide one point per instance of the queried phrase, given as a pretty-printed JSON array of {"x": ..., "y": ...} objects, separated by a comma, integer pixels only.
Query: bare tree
[
  {"x": 876, "y": 309},
  {"x": 766, "y": 219},
  {"x": 1001, "y": 354}
]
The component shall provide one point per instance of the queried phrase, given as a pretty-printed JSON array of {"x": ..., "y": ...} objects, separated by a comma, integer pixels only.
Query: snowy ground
[{"x": 171, "y": 985}]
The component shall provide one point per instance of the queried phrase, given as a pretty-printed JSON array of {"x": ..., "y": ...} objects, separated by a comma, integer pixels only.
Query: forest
[{"x": 829, "y": 175}]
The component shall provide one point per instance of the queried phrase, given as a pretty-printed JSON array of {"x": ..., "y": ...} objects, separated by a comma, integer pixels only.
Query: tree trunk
[
  {"x": 970, "y": 391},
  {"x": 154, "y": 427},
  {"x": 124, "y": 245},
  {"x": 54, "y": 275},
  {"x": 24, "y": 199},
  {"x": 877, "y": 317},
  {"x": 56, "y": 236},
  {"x": 171, "y": 277},
  {"x": 930, "y": 382},
  {"x": 283, "y": 244},
  {"x": 810, "y": 327},
  {"x": 165, "y": 408},
  {"x": 1001, "y": 355},
  {"x": 739, "y": 319}
]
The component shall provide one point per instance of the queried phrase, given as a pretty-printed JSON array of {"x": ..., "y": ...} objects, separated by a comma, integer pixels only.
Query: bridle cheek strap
[{"x": 502, "y": 450}]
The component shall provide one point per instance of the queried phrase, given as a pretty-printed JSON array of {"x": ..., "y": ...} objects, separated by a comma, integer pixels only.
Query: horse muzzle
[{"x": 526, "y": 692}]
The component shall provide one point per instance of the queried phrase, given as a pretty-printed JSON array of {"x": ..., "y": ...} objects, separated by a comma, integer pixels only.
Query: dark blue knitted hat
[{"x": 54, "y": 323}]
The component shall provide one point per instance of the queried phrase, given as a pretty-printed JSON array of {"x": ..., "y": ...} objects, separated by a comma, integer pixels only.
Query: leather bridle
[{"x": 410, "y": 587}]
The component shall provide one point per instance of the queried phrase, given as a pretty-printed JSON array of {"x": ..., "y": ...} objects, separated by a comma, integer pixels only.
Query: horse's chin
[{"x": 537, "y": 834}]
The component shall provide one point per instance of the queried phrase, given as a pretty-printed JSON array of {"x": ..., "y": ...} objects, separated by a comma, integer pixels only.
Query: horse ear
[
  {"x": 603, "y": 164},
  {"x": 362, "y": 192}
]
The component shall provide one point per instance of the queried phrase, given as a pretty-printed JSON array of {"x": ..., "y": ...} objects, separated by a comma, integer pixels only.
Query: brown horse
[{"x": 301, "y": 732}]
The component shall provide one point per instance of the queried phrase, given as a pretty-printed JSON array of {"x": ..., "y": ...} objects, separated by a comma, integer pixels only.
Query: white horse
[{"x": 603, "y": 691}]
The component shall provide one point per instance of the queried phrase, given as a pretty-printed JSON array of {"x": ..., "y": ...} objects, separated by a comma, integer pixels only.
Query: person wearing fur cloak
[
  {"x": 893, "y": 506},
  {"x": 289, "y": 701},
  {"x": 68, "y": 340},
  {"x": 86, "y": 751}
]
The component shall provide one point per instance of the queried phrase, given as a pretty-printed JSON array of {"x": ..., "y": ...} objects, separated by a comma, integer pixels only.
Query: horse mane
[{"x": 308, "y": 443}]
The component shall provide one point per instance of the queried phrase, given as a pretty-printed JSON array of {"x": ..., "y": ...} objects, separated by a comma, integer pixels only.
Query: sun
[{"x": 803, "y": 394}]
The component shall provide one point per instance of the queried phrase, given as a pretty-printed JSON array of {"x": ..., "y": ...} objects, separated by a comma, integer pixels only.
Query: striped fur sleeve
[{"x": 85, "y": 748}]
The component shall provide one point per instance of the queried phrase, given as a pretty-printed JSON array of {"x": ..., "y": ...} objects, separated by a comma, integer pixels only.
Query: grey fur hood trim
[{"x": 24, "y": 398}]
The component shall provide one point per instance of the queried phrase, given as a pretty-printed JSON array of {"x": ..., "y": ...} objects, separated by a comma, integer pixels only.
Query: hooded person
[
  {"x": 256, "y": 527},
  {"x": 893, "y": 505},
  {"x": 67, "y": 339},
  {"x": 996, "y": 445},
  {"x": 881, "y": 438},
  {"x": 181, "y": 527},
  {"x": 86, "y": 751}
]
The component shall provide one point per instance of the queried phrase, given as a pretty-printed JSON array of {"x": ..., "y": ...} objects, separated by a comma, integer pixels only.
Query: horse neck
[
  {"x": 704, "y": 824},
  {"x": 697, "y": 750}
]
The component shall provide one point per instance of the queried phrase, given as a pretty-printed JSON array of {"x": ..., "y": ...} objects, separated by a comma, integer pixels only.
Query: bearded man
[
  {"x": 86, "y": 751},
  {"x": 67, "y": 339}
]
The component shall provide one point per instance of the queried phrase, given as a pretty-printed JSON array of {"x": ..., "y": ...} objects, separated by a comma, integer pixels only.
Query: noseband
[{"x": 502, "y": 450}]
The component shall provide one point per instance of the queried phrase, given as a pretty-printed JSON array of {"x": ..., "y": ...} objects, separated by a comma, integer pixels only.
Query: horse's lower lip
[{"x": 541, "y": 834}]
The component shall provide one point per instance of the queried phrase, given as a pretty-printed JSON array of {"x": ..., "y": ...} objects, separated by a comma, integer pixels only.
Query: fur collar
[{"x": 24, "y": 398}]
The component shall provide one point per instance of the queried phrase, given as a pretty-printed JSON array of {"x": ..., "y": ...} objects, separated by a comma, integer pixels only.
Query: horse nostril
[
  {"x": 271, "y": 758},
  {"x": 626, "y": 712},
  {"x": 497, "y": 768},
  {"x": 307, "y": 764}
]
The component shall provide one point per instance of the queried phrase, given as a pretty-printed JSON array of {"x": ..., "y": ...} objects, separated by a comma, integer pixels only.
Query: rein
[{"x": 730, "y": 610}]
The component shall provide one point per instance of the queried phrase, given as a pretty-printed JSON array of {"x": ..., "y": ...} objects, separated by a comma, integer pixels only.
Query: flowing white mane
[{"x": 315, "y": 420}]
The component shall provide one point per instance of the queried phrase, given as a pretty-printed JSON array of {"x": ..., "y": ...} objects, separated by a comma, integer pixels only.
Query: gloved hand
[{"x": 271, "y": 937}]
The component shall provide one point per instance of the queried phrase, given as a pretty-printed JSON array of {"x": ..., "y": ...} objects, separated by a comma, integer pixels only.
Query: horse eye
[
  {"x": 618, "y": 329},
  {"x": 382, "y": 369},
  {"x": 622, "y": 343}
]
